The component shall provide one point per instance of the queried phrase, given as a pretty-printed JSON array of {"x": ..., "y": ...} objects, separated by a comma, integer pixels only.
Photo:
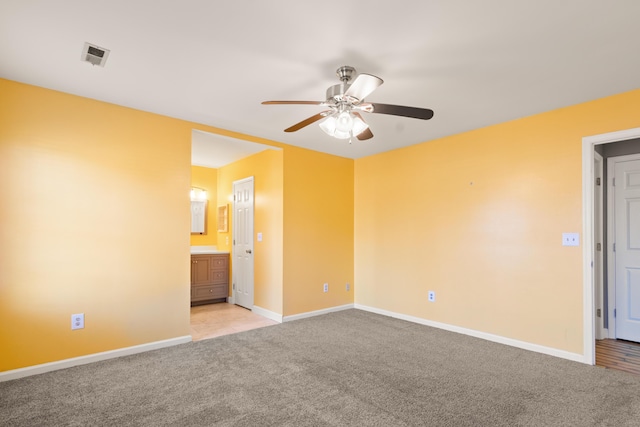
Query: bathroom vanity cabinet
[{"x": 209, "y": 278}]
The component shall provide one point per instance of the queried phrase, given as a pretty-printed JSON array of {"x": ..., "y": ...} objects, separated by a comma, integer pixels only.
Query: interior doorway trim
[
  {"x": 599, "y": 208},
  {"x": 588, "y": 182}
]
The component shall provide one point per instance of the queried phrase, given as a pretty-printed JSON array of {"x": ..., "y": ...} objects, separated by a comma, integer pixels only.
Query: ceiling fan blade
[
  {"x": 365, "y": 134},
  {"x": 402, "y": 110},
  {"x": 362, "y": 86},
  {"x": 294, "y": 102},
  {"x": 307, "y": 122}
]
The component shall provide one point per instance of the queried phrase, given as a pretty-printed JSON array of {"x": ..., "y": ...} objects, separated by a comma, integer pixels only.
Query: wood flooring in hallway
[{"x": 618, "y": 354}]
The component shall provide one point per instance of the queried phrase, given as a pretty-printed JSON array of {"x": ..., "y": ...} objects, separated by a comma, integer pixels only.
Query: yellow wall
[
  {"x": 318, "y": 234},
  {"x": 94, "y": 219},
  {"x": 478, "y": 218},
  {"x": 304, "y": 208},
  {"x": 267, "y": 172},
  {"x": 207, "y": 179}
]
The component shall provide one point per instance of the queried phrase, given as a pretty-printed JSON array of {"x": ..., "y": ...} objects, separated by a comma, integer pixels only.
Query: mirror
[{"x": 198, "y": 215}]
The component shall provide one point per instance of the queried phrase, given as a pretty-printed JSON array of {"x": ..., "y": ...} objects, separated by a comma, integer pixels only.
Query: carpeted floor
[{"x": 350, "y": 368}]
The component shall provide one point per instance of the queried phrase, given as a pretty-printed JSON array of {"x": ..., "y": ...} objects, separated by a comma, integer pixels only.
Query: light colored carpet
[{"x": 350, "y": 368}]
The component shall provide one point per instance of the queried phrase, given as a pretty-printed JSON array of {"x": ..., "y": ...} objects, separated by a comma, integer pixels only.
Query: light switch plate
[
  {"x": 259, "y": 237},
  {"x": 570, "y": 239}
]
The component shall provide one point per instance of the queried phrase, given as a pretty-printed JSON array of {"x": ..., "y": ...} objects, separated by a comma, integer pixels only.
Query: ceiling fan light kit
[
  {"x": 344, "y": 126},
  {"x": 345, "y": 100}
]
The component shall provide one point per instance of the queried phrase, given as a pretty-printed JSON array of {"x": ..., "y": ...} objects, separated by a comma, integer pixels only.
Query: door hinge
[
  {"x": 598, "y": 247},
  {"x": 614, "y": 182},
  {"x": 234, "y": 287},
  {"x": 614, "y": 312},
  {"x": 598, "y": 181},
  {"x": 599, "y": 312},
  {"x": 614, "y": 247}
]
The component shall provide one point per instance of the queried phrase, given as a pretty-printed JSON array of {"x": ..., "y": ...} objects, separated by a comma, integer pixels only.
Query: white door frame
[
  {"x": 598, "y": 255},
  {"x": 588, "y": 182}
]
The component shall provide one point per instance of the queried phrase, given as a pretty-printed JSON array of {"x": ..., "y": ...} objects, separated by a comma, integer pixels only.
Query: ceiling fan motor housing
[{"x": 336, "y": 92}]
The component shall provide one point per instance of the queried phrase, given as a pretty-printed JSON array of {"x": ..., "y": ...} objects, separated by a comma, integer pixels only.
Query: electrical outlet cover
[
  {"x": 570, "y": 239},
  {"x": 77, "y": 321}
]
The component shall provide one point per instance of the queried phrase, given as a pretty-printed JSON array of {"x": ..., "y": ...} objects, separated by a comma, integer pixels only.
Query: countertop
[{"x": 206, "y": 250}]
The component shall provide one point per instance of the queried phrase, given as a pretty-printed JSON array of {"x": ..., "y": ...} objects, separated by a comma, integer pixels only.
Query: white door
[
  {"x": 243, "y": 242},
  {"x": 627, "y": 249}
]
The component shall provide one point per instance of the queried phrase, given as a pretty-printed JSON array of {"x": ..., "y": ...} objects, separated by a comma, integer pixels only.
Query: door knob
[{"x": 248, "y": 251}]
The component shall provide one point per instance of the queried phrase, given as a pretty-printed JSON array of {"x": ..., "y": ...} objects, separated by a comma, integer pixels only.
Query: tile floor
[{"x": 214, "y": 320}]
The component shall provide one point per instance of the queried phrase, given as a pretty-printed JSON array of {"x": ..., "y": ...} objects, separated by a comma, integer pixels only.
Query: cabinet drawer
[
  {"x": 220, "y": 277},
  {"x": 206, "y": 292},
  {"x": 220, "y": 262}
]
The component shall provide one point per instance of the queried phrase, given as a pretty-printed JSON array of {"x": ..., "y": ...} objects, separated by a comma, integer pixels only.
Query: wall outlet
[
  {"x": 432, "y": 296},
  {"x": 348, "y": 287},
  {"x": 77, "y": 321},
  {"x": 570, "y": 239},
  {"x": 325, "y": 287}
]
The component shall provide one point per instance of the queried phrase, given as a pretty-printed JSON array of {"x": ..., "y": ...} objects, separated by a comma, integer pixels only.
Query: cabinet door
[{"x": 201, "y": 270}]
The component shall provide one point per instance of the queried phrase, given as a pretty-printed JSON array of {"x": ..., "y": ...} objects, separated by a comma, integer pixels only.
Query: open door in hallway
[{"x": 627, "y": 248}]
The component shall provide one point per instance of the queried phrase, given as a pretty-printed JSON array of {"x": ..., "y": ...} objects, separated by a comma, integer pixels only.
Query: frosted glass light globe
[{"x": 344, "y": 123}]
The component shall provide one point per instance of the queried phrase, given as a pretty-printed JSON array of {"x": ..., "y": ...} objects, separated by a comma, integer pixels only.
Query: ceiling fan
[{"x": 345, "y": 102}]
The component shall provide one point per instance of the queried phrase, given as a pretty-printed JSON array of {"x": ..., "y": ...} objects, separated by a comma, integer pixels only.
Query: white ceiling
[
  {"x": 214, "y": 151},
  {"x": 475, "y": 63}
]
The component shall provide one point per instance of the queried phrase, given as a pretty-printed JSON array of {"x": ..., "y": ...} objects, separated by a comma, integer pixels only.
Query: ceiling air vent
[{"x": 94, "y": 55}]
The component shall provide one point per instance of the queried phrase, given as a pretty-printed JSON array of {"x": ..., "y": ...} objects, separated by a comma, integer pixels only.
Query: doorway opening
[
  {"x": 214, "y": 160},
  {"x": 598, "y": 241}
]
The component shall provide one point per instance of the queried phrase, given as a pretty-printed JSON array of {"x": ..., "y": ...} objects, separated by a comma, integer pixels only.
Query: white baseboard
[
  {"x": 90, "y": 358},
  {"x": 477, "y": 334},
  {"x": 602, "y": 334},
  {"x": 317, "y": 312},
  {"x": 267, "y": 313},
  {"x": 82, "y": 360}
]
